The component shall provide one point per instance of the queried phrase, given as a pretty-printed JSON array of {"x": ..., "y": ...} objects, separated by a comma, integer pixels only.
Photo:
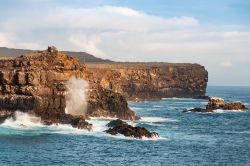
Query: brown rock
[
  {"x": 149, "y": 81},
  {"x": 37, "y": 82},
  {"x": 219, "y": 103},
  {"x": 120, "y": 127}
]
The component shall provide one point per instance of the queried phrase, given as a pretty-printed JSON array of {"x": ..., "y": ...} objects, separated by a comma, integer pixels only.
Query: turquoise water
[{"x": 220, "y": 138}]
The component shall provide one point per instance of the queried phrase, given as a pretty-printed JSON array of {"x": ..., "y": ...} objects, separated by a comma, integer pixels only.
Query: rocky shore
[
  {"x": 36, "y": 83},
  {"x": 216, "y": 103}
]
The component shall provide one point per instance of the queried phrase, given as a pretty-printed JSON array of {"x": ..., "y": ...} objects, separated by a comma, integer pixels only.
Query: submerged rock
[
  {"x": 120, "y": 127},
  {"x": 215, "y": 103}
]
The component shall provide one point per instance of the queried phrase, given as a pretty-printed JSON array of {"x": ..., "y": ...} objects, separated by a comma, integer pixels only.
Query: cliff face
[
  {"x": 37, "y": 82},
  {"x": 143, "y": 81}
]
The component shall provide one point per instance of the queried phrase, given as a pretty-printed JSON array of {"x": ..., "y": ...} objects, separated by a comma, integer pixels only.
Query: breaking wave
[
  {"x": 30, "y": 125},
  {"x": 156, "y": 119}
]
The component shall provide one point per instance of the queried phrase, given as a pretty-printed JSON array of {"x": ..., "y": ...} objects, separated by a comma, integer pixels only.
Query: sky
[{"x": 213, "y": 33}]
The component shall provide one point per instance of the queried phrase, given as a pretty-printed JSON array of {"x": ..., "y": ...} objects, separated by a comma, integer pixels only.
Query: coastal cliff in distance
[{"x": 152, "y": 81}]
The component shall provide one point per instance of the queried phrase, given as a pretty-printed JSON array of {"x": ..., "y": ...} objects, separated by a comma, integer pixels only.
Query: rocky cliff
[
  {"x": 36, "y": 83},
  {"x": 148, "y": 81}
]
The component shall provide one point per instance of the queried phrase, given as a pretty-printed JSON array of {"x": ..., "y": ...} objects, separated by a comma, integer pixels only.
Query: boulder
[
  {"x": 215, "y": 103},
  {"x": 120, "y": 127}
]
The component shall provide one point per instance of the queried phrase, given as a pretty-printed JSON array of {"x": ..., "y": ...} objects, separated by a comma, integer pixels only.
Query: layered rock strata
[
  {"x": 37, "y": 82},
  {"x": 149, "y": 81}
]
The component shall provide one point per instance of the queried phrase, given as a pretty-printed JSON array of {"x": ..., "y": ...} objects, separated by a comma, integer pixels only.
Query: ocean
[{"x": 220, "y": 138}]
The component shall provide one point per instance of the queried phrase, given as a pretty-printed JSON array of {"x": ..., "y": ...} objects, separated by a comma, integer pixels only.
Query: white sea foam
[
  {"x": 155, "y": 119},
  {"x": 175, "y": 98},
  {"x": 225, "y": 111},
  {"x": 25, "y": 122},
  {"x": 22, "y": 120}
]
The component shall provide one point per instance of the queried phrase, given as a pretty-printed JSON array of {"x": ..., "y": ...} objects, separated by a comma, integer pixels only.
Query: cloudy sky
[{"x": 214, "y": 33}]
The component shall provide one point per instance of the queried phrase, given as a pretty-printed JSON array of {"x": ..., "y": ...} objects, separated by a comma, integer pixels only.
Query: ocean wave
[
  {"x": 22, "y": 121},
  {"x": 156, "y": 119},
  {"x": 27, "y": 124},
  {"x": 226, "y": 111},
  {"x": 175, "y": 98}
]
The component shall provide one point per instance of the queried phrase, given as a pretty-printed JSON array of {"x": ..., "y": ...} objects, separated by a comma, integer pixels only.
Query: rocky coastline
[{"x": 36, "y": 83}]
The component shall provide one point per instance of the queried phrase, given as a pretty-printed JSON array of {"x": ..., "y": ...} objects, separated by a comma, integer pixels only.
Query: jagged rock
[
  {"x": 150, "y": 81},
  {"x": 120, "y": 127},
  {"x": 106, "y": 103},
  {"x": 37, "y": 82},
  {"x": 215, "y": 103}
]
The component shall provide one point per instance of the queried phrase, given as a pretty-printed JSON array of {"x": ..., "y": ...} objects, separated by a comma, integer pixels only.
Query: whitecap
[
  {"x": 156, "y": 119},
  {"x": 226, "y": 111},
  {"x": 22, "y": 120}
]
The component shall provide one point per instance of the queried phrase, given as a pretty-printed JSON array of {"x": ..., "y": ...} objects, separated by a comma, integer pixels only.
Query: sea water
[{"x": 220, "y": 138}]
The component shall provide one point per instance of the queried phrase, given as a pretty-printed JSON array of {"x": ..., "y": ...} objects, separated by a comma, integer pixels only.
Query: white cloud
[
  {"x": 122, "y": 33},
  {"x": 226, "y": 64},
  {"x": 4, "y": 40},
  {"x": 87, "y": 43}
]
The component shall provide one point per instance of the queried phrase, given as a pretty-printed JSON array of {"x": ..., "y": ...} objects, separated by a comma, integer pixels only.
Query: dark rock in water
[
  {"x": 202, "y": 97},
  {"x": 215, "y": 103},
  {"x": 198, "y": 110},
  {"x": 120, "y": 127},
  {"x": 117, "y": 122},
  {"x": 5, "y": 115}
]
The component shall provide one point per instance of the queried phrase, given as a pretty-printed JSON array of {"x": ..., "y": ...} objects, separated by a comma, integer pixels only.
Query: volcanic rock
[
  {"x": 152, "y": 81},
  {"x": 219, "y": 103},
  {"x": 37, "y": 82},
  {"x": 120, "y": 127}
]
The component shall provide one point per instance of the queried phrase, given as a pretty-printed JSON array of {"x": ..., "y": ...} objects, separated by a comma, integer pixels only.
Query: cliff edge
[
  {"x": 37, "y": 83},
  {"x": 149, "y": 81}
]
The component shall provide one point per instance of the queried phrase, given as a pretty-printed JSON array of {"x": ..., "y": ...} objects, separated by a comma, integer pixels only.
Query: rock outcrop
[
  {"x": 120, "y": 127},
  {"x": 37, "y": 82},
  {"x": 149, "y": 81},
  {"x": 215, "y": 103}
]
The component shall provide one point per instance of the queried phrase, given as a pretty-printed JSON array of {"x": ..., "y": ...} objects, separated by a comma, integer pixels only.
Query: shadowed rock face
[
  {"x": 120, "y": 127},
  {"x": 37, "y": 82},
  {"x": 149, "y": 81}
]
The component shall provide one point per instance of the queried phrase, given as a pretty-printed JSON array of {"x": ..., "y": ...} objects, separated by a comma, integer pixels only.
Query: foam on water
[
  {"x": 27, "y": 124},
  {"x": 22, "y": 121},
  {"x": 226, "y": 111},
  {"x": 156, "y": 119}
]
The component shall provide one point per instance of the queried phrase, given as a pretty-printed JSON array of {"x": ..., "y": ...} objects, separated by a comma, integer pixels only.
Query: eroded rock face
[
  {"x": 215, "y": 103},
  {"x": 149, "y": 81},
  {"x": 120, "y": 127},
  {"x": 37, "y": 82}
]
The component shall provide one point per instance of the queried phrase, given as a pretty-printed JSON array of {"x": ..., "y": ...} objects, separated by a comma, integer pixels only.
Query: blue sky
[{"x": 214, "y": 33}]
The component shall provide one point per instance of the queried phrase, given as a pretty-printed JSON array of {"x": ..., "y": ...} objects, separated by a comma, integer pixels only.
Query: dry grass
[{"x": 5, "y": 57}]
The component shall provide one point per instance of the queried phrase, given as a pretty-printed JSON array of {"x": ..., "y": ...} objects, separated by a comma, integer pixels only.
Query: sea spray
[
  {"x": 76, "y": 97},
  {"x": 22, "y": 120}
]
